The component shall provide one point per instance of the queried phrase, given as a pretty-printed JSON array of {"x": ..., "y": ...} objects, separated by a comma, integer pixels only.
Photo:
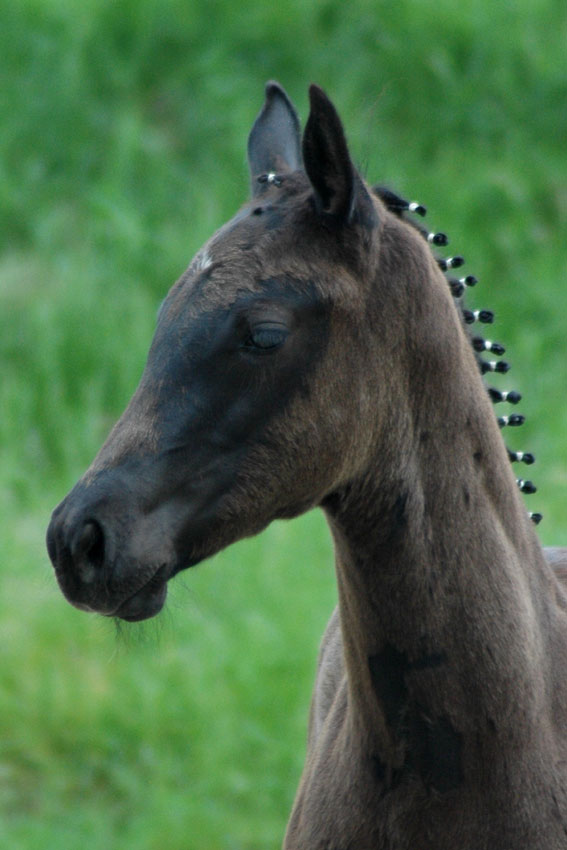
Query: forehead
[{"x": 274, "y": 236}]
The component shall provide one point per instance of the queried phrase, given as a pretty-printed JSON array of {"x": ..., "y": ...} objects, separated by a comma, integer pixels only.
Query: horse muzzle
[{"x": 107, "y": 561}]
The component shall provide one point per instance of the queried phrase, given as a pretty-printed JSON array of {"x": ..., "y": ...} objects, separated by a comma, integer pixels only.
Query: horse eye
[{"x": 266, "y": 337}]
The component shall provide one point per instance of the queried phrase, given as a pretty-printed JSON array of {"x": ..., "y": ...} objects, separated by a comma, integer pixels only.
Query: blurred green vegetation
[{"x": 122, "y": 148}]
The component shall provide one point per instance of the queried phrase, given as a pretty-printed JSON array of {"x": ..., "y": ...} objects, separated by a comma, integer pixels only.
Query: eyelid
[
  {"x": 268, "y": 324},
  {"x": 266, "y": 336}
]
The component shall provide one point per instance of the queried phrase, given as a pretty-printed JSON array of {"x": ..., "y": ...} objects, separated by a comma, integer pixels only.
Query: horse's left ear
[
  {"x": 327, "y": 160},
  {"x": 274, "y": 143}
]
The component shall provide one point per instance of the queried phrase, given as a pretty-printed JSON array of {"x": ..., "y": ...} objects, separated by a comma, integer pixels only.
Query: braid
[{"x": 458, "y": 286}]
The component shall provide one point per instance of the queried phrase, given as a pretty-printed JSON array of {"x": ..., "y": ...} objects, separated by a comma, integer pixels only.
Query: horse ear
[
  {"x": 327, "y": 160},
  {"x": 274, "y": 141}
]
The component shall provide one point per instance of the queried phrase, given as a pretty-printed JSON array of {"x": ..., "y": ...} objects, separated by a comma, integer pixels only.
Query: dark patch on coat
[
  {"x": 399, "y": 513},
  {"x": 387, "y": 673},
  {"x": 435, "y": 751},
  {"x": 387, "y": 777},
  {"x": 428, "y": 661},
  {"x": 432, "y": 747}
]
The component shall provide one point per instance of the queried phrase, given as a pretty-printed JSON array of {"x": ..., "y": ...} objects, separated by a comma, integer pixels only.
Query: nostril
[{"x": 89, "y": 549}]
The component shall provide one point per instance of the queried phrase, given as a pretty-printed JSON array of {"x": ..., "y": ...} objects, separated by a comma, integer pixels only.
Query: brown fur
[{"x": 438, "y": 717}]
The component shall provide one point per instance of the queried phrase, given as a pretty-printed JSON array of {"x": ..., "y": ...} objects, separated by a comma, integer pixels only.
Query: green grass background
[{"x": 122, "y": 146}]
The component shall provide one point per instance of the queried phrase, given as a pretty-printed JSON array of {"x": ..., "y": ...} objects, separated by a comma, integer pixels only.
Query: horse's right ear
[{"x": 274, "y": 143}]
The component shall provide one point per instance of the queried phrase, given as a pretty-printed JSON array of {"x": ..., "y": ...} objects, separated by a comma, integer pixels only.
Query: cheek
[
  {"x": 341, "y": 421},
  {"x": 298, "y": 459}
]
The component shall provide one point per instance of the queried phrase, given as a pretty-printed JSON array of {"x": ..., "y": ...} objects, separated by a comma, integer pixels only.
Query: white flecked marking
[{"x": 203, "y": 260}]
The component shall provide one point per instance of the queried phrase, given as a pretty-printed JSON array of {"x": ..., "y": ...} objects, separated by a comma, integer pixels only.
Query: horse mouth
[{"x": 145, "y": 602}]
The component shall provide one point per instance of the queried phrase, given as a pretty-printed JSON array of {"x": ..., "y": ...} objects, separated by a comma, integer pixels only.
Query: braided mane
[{"x": 407, "y": 210}]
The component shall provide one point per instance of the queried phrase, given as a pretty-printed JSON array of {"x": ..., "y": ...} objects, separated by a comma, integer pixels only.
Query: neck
[{"x": 440, "y": 585}]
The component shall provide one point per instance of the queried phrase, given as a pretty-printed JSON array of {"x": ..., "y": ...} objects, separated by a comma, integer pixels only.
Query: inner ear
[
  {"x": 326, "y": 158},
  {"x": 274, "y": 144}
]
